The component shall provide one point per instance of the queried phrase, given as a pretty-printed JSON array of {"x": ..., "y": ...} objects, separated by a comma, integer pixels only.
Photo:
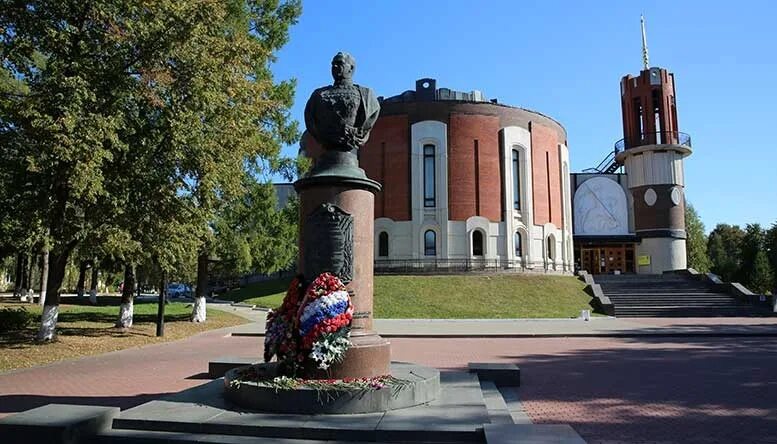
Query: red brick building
[{"x": 468, "y": 181}]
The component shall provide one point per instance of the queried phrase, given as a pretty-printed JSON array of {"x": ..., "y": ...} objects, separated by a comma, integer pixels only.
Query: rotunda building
[{"x": 468, "y": 183}]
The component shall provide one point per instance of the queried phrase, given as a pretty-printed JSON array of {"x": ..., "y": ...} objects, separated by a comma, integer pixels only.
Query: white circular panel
[
  {"x": 650, "y": 197},
  {"x": 600, "y": 208},
  {"x": 676, "y": 196}
]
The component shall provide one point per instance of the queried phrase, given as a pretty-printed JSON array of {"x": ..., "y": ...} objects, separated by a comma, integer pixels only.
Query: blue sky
[{"x": 565, "y": 59}]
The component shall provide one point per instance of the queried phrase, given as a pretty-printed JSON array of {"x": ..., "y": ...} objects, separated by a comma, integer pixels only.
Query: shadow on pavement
[
  {"x": 656, "y": 389},
  {"x": 18, "y": 403}
]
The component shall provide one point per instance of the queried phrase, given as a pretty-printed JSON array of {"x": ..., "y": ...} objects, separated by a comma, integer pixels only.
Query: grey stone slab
[
  {"x": 365, "y": 421},
  {"x": 531, "y": 434},
  {"x": 433, "y": 423},
  {"x": 147, "y": 437},
  {"x": 502, "y": 374},
  {"x": 217, "y": 367},
  {"x": 56, "y": 423},
  {"x": 512, "y": 399},
  {"x": 209, "y": 393},
  {"x": 169, "y": 411},
  {"x": 257, "y": 419},
  {"x": 495, "y": 404},
  {"x": 459, "y": 388}
]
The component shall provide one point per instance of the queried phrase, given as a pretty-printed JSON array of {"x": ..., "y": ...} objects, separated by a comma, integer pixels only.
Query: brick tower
[{"x": 652, "y": 151}]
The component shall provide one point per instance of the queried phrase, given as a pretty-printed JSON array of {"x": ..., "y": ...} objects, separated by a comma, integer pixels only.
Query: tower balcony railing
[{"x": 657, "y": 138}]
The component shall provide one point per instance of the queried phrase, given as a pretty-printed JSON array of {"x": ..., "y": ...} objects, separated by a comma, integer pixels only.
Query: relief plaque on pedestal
[{"x": 328, "y": 240}]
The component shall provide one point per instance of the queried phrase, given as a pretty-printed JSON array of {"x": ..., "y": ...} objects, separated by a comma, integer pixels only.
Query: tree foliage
[
  {"x": 771, "y": 252},
  {"x": 755, "y": 272},
  {"x": 696, "y": 241},
  {"x": 128, "y": 122},
  {"x": 254, "y": 235},
  {"x": 723, "y": 248},
  {"x": 760, "y": 278}
]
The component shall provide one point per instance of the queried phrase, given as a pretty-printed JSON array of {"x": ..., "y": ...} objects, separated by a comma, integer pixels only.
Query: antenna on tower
[{"x": 645, "y": 62}]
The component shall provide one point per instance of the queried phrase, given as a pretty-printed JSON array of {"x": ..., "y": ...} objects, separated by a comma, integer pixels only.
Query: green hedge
[{"x": 14, "y": 319}]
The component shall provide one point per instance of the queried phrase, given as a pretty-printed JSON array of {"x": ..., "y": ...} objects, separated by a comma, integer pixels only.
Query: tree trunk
[
  {"x": 127, "y": 295},
  {"x": 26, "y": 279},
  {"x": 17, "y": 290},
  {"x": 93, "y": 285},
  {"x": 30, "y": 268},
  {"x": 56, "y": 274},
  {"x": 81, "y": 279},
  {"x": 199, "y": 312},
  {"x": 44, "y": 276},
  {"x": 160, "y": 314}
]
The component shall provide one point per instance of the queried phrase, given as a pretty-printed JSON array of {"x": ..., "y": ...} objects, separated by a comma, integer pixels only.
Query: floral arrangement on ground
[
  {"x": 257, "y": 374},
  {"x": 311, "y": 324}
]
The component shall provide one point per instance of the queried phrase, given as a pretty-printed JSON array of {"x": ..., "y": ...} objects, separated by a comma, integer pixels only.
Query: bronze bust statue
[{"x": 340, "y": 116}]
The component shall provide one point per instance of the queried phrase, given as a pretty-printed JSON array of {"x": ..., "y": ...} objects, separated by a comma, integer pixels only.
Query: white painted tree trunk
[
  {"x": 125, "y": 315},
  {"x": 48, "y": 324},
  {"x": 44, "y": 278},
  {"x": 199, "y": 309},
  {"x": 25, "y": 296},
  {"x": 93, "y": 297}
]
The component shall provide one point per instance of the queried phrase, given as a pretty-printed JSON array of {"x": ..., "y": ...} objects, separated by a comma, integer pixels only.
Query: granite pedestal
[{"x": 350, "y": 257}]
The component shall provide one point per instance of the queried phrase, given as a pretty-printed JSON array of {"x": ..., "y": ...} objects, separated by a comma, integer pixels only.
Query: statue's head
[{"x": 343, "y": 66}]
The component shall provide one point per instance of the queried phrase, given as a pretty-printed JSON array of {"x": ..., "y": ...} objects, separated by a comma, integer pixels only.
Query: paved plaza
[{"x": 703, "y": 387}]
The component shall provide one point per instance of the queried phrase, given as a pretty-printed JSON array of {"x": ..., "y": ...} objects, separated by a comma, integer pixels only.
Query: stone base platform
[
  {"x": 457, "y": 415},
  {"x": 467, "y": 410},
  {"x": 419, "y": 385}
]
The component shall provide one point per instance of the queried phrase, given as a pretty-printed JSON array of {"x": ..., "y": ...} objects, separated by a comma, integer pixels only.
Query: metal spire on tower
[{"x": 645, "y": 62}]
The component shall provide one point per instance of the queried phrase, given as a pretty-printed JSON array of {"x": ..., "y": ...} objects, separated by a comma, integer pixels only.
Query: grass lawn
[
  {"x": 455, "y": 297},
  {"x": 85, "y": 330}
]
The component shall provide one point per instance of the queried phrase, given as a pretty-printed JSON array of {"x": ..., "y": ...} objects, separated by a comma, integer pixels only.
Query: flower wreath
[{"x": 314, "y": 324}]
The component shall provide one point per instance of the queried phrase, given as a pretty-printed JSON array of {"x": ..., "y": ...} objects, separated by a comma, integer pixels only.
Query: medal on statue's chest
[{"x": 344, "y": 102}]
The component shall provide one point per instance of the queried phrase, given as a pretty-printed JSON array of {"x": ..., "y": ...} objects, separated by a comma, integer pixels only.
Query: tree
[
  {"x": 755, "y": 272},
  {"x": 696, "y": 241},
  {"x": 236, "y": 119},
  {"x": 760, "y": 278},
  {"x": 771, "y": 252},
  {"x": 724, "y": 250},
  {"x": 115, "y": 111},
  {"x": 254, "y": 235}
]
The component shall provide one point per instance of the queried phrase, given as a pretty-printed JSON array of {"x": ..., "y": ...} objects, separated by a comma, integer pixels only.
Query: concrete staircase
[{"x": 670, "y": 295}]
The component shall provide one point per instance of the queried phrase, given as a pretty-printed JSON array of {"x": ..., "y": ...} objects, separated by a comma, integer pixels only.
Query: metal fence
[{"x": 436, "y": 266}]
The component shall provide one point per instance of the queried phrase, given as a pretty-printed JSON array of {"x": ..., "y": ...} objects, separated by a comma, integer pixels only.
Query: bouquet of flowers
[
  {"x": 280, "y": 336},
  {"x": 316, "y": 326},
  {"x": 325, "y": 320}
]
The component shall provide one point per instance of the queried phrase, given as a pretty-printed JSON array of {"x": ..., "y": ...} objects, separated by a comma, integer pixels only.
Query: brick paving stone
[
  {"x": 635, "y": 390},
  {"x": 123, "y": 378}
]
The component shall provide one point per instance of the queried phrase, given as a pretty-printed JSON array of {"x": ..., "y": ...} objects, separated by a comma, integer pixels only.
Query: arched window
[
  {"x": 383, "y": 248},
  {"x": 430, "y": 243},
  {"x": 516, "y": 181},
  {"x": 429, "y": 176},
  {"x": 518, "y": 246},
  {"x": 477, "y": 243},
  {"x": 551, "y": 248}
]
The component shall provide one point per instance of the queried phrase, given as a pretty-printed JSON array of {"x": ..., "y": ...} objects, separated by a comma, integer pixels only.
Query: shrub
[{"x": 14, "y": 319}]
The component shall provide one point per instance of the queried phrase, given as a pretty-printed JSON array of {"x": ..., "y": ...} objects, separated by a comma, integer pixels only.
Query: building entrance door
[{"x": 608, "y": 259}]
